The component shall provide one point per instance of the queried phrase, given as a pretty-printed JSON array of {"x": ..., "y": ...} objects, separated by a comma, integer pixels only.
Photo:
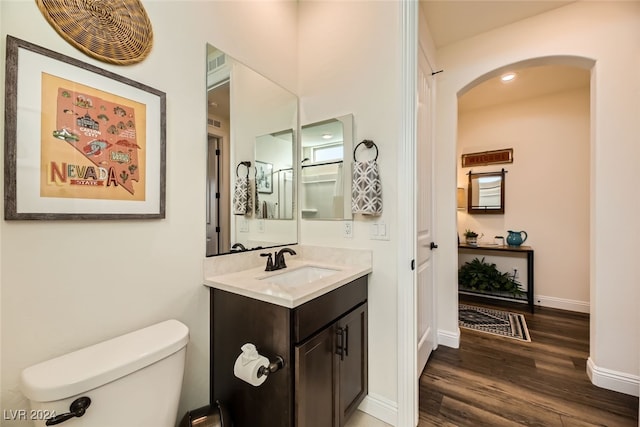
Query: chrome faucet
[{"x": 279, "y": 258}]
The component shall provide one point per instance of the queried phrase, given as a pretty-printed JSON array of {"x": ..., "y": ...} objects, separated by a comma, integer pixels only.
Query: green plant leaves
[{"x": 478, "y": 275}]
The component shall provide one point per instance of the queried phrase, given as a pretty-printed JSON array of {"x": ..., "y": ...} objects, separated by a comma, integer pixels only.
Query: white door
[{"x": 425, "y": 296}]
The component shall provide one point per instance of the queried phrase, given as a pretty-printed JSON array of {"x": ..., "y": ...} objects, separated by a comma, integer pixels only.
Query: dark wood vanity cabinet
[
  {"x": 323, "y": 343},
  {"x": 331, "y": 372}
]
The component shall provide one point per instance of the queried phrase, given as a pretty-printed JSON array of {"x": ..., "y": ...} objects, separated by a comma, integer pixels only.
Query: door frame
[{"x": 407, "y": 375}]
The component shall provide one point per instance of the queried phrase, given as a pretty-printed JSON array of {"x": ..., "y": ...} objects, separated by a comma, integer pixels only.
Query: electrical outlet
[{"x": 347, "y": 232}]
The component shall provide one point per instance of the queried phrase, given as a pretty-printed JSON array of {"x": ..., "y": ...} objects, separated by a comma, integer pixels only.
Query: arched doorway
[{"x": 543, "y": 115}]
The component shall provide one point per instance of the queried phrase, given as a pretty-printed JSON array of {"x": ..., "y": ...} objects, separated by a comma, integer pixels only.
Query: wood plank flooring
[{"x": 495, "y": 381}]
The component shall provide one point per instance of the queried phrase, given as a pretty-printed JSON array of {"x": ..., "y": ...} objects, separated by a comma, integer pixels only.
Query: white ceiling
[
  {"x": 450, "y": 21},
  {"x": 314, "y": 134},
  {"x": 530, "y": 82},
  {"x": 218, "y": 101},
  {"x": 453, "y": 20}
]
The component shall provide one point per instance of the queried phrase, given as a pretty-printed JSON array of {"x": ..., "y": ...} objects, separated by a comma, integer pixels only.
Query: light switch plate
[{"x": 379, "y": 231}]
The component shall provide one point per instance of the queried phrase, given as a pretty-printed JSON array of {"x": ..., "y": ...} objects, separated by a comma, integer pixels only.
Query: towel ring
[
  {"x": 369, "y": 144},
  {"x": 247, "y": 164}
]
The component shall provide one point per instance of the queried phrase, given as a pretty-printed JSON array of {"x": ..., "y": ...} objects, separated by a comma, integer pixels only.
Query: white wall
[
  {"x": 547, "y": 187},
  {"x": 350, "y": 63},
  {"x": 609, "y": 34},
  {"x": 69, "y": 284}
]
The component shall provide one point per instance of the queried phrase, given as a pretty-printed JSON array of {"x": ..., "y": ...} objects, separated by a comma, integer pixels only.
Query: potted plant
[
  {"x": 481, "y": 276},
  {"x": 471, "y": 237}
]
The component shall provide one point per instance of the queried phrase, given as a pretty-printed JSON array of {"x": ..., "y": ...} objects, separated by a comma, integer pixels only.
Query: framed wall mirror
[
  {"x": 485, "y": 194},
  {"x": 326, "y": 156},
  {"x": 250, "y": 134}
]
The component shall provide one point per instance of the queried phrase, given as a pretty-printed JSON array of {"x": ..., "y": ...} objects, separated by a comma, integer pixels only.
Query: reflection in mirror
[
  {"x": 274, "y": 175},
  {"x": 326, "y": 157},
  {"x": 486, "y": 193},
  {"x": 249, "y": 119}
]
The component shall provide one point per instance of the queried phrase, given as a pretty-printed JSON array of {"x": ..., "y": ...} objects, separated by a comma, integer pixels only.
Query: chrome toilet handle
[{"x": 77, "y": 409}]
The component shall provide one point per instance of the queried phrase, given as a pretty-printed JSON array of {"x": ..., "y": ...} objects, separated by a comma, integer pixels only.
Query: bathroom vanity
[{"x": 318, "y": 326}]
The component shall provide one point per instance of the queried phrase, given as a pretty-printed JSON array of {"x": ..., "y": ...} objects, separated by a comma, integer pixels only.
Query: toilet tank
[{"x": 133, "y": 380}]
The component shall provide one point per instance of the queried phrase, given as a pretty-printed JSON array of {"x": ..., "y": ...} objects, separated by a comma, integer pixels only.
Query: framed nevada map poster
[{"x": 80, "y": 142}]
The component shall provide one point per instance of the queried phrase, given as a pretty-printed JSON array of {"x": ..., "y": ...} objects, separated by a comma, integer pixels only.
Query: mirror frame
[{"x": 484, "y": 209}]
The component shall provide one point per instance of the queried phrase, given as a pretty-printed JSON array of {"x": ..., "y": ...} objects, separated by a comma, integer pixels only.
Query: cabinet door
[
  {"x": 352, "y": 353},
  {"x": 316, "y": 380}
]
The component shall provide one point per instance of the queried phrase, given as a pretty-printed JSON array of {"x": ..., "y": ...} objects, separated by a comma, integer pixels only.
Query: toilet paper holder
[
  {"x": 273, "y": 367},
  {"x": 254, "y": 368}
]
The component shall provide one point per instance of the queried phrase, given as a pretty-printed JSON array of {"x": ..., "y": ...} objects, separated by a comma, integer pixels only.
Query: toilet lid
[{"x": 91, "y": 367}]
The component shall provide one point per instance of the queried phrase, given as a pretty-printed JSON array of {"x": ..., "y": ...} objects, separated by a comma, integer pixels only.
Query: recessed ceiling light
[
  {"x": 508, "y": 77},
  {"x": 327, "y": 136}
]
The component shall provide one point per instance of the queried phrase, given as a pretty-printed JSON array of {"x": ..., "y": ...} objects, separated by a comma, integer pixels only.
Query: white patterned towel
[
  {"x": 241, "y": 197},
  {"x": 366, "y": 190}
]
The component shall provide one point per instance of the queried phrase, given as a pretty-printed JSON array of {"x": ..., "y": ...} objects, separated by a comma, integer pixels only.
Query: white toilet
[{"x": 133, "y": 380}]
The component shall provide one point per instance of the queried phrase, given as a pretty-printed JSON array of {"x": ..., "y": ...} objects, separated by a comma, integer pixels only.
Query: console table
[{"x": 527, "y": 250}]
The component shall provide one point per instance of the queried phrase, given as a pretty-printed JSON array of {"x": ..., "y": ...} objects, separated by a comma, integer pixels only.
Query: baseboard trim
[
  {"x": 562, "y": 303},
  {"x": 380, "y": 408},
  {"x": 613, "y": 380},
  {"x": 448, "y": 338}
]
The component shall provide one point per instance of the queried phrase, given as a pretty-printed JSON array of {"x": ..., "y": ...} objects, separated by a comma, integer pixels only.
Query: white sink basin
[{"x": 300, "y": 276}]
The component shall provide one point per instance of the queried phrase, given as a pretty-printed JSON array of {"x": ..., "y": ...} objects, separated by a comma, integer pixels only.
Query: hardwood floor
[{"x": 495, "y": 381}]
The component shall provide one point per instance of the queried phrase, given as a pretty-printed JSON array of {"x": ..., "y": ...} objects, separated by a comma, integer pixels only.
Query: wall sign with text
[{"x": 487, "y": 158}]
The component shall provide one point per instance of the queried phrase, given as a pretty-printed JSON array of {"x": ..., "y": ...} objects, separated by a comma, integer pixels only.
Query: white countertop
[{"x": 254, "y": 283}]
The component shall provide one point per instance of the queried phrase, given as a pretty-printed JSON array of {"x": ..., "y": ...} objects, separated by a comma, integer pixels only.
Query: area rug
[{"x": 496, "y": 322}]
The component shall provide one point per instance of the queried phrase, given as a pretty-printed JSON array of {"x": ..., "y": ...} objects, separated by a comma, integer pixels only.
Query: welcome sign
[{"x": 487, "y": 158}]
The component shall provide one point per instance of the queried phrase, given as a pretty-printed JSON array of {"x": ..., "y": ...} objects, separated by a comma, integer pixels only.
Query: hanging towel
[
  {"x": 366, "y": 190},
  {"x": 241, "y": 196}
]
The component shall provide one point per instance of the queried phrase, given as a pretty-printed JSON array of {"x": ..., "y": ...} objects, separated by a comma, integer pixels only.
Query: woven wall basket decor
[{"x": 114, "y": 31}]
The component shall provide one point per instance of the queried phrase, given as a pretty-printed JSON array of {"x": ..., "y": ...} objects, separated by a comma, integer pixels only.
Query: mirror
[
  {"x": 251, "y": 147},
  {"x": 486, "y": 193},
  {"x": 326, "y": 156},
  {"x": 274, "y": 176}
]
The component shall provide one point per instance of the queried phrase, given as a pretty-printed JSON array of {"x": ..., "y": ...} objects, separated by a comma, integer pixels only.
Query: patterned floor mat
[{"x": 497, "y": 322}]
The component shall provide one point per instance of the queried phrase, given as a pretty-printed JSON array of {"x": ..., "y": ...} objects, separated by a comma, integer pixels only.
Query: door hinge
[
  {"x": 217, "y": 151},
  {"x": 217, "y": 229},
  {"x": 413, "y": 264},
  {"x": 217, "y": 195}
]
